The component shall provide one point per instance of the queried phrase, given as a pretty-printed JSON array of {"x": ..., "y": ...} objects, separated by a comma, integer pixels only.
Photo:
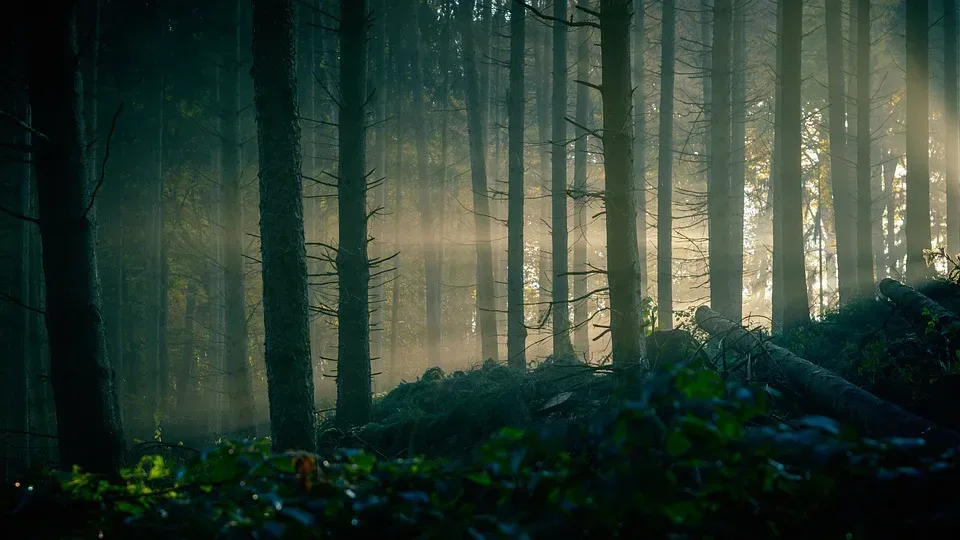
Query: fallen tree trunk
[
  {"x": 920, "y": 308},
  {"x": 822, "y": 390}
]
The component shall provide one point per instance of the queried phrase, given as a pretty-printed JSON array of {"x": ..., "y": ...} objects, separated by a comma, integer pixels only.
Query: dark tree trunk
[
  {"x": 353, "y": 315},
  {"x": 88, "y": 418},
  {"x": 542, "y": 55},
  {"x": 640, "y": 136},
  {"x": 241, "y": 411},
  {"x": 581, "y": 333},
  {"x": 951, "y": 29},
  {"x": 285, "y": 307},
  {"x": 795, "y": 307},
  {"x": 516, "y": 328},
  {"x": 378, "y": 225},
  {"x": 738, "y": 148},
  {"x": 722, "y": 295},
  {"x": 560, "y": 291},
  {"x": 665, "y": 168},
  {"x": 917, "y": 219},
  {"x": 844, "y": 205},
  {"x": 623, "y": 264},
  {"x": 864, "y": 248},
  {"x": 486, "y": 303}
]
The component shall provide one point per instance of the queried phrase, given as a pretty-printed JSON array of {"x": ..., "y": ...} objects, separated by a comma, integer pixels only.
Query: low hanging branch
[
  {"x": 822, "y": 390},
  {"x": 922, "y": 309}
]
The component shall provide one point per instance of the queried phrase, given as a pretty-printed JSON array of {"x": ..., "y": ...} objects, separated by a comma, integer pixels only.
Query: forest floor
[{"x": 675, "y": 450}]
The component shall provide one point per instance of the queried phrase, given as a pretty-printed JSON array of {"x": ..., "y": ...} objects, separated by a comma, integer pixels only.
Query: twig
[{"x": 103, "y": 164}]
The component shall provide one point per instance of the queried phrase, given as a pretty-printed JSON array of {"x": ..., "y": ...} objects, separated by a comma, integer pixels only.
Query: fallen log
[
  {"x": 821, "y": 390},
  {"x": 920, "y": 308}
]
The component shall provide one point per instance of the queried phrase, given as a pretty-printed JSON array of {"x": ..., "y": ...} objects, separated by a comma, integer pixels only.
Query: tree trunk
[
  {"x": 353, "y": 315},
  {"x": 889, "y": 176},
  {"x": 428, "y": 234},
  {"x": 285, "y": 306},
  {"x": 516, "y": 328},
  {"x": 378, "y": 224},
  {"x": 241, "y": 411},
  {"x": 738, "y": 148},
  {"x": 486, "y": 303},
  {"x": 917, "y": 219},
  {"x": 864, "y": 170},
  {"x": 581, "y": 331},
  {"x": 920, "y": 308},
  {"x": 623, "y": 263},
  {"x": 819, "y": 389},
  {"x": 722, "y": 295},
  {"x": 776, "y": 184},
  {"x": 397, "y": 220},
  {"x": 951, "y": 93},
  {"x": 542, "y": 55},
  {"x": 88, "y": 419},
  {"x": 795, "y": 307},
  {"x": 844, "y": 205},
  {"x": 187, "y": 369},
  {"x": 640, "y": 136},
  {"x": 665, "y": 169}
]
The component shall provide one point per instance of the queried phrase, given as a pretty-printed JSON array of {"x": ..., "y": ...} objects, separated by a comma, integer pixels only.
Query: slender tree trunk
[
  {"x": 88, "y": 419},
  {"x": 427, "y": 227},
  {"x": 951, "y": 29},
  {"x": 353, "y": 315},
  {"x": 776, "y": 183},
  {"x": 864, "y": 196},
  {"x": 665, "y": 168},
  {"x": 738, "y": 147},
  {"x": 722, "y": 297},
  {"x": 241, "y": 411},
  {"x": 796, "y": 309},
  {"x": 889, "y": 175},
  {"x": 917, "y": 220},
  {"x": 444, "y": 173},
  {"x": 516, "y": 328},
  {"x": 623, "y": 263},
  {"x": 640, "y": 136},
  {"x": 542, "y": 55},
  {"x": 285, "y": 306},
  {"x": 378, "y": 296},
  {"x": 397, "y": 220},
  {"x": 581, "y": 333},
  {"x": 486, "y": 303}
]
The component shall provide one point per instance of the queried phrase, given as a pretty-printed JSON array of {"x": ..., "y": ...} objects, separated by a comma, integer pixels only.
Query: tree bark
[
  {"x": 516, "y": 327},
  {"x": 623, "y": 263},
  {"x": 738, "y": 148},
  {"x": 88, "y": 419},
  {"x": 640, "y": 136},
  {"x": 665, "y": 168},
  {"x": 864, "y": 141},
  {"x": 285, "y": 306},
  {"x": 920, "y": 308},
  {"x": 796, "y": 309},
  {"x": 722, "y": 296},
  {"x": 821, "y": 390},
  {"x": 486, "y": 303},
  {"x": 581, "y": 333},
  {"x": 542, "y": 54},
  {"x": 378, "y": 224},
  {"x": 917, "y": 219},
  {"x": 776, "y": 183},
  {"x": 951, "y": 117}
]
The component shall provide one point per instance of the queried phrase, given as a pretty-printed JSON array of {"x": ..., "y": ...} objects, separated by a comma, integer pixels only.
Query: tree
[
  {"x": 353, "y": 315},
  {"x": 580, "y": 309},
  {"x": 795, "y": 307},
  {"x": 722, "y": 295},
  {"x": 665, "y": 168},
  {"x": 623, "y": 262},
  {"x": 516, "y": 329},
  {"x": 486, "y": 303},
  {"x": 917, "y": 219},
  {"x": 88, "y": 417},
  {"x": 951, "y": 117},
  {"x": 864, "y": 247},
  {"x": 640, "y": 135},
  {"x": 776, "y": 183},
  {"x": 241, "y": 411},
  {"x": 284, "y": 267},
  {"x": 738, "y": 148},
  {"x": 558, "y": 192},
  {"x": 844, "y": 202}
]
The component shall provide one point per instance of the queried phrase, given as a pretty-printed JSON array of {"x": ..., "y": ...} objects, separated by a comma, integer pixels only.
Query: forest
[{"x": 480, "y": 268}]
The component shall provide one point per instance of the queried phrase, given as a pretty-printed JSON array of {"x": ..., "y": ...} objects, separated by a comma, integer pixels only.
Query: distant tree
[
  {"x": 623, "y": 262},
  {"x": 516, "y": 328},
  {"x": 558, "y": 190},
  {"x": 917, "y": 219},
  {"x": 580, "y": 307},
  {"x": 864, "y": 198},
  {"x": 665, "y": 167},
  {"x": 640, "y": 135},
  {"x": 285, "y": 305},
  {"x": 88, "y": 417}
]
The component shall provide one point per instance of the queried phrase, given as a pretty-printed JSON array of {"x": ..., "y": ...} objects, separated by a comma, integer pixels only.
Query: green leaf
[
  {"x": 480, "y": 477},
  {"x": 678, "y": 444}
]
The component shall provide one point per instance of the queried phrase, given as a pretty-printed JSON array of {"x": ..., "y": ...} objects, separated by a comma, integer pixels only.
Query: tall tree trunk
[
  {"x": 581, "y": 332},
  {"x": 917, "y": 220},
  {"x": 795, "y": 308},
  {"x": 560, "y": 291},
  {"x": 640, "y": 135},
  {"x": 722, "y": 297},
  {"x": 444, "y": 173},
  {"x": 486, "y": 303},
  {"x": 516, "y": 328},
  {"x": 623, "y": 263},
  {"x": 286, "y": 314},
  {"x": 844, "y": 203},
  {"x": 951, "y": 93},
  {"x": 776, "y": 183},
  {"x": 397, "y": 220},
  {"x": 241, "y": 411},
  {"x": 665, "y": 168},
  {"x": 864, "y": 196},
  {"x": 427, "y": 228},
  {"x": 542, "y": 55},
  {"x": 738, "y": 147},
  {"x": 353, "y": 314},
  {"x": 378, "y": 295},
  {"x": 88, "y": 22},
  {"x": 88, "y": 418}
]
